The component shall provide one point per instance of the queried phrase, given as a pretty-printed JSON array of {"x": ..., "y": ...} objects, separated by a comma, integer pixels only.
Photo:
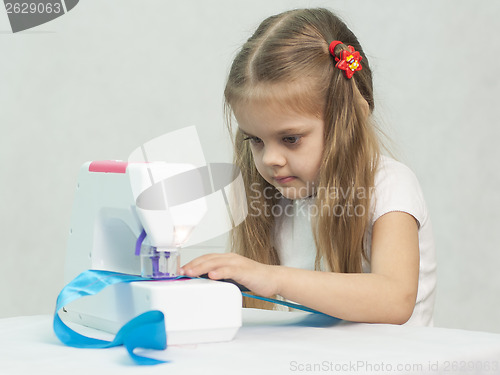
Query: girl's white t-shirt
[{"x": 396, "y": 189}]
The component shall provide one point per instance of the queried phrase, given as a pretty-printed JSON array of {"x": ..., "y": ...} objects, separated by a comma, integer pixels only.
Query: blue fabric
[
  {"x": 144, "y": 331},
  {"x": 289, "y": 304}
]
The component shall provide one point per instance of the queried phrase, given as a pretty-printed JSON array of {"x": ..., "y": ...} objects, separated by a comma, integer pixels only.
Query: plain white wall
[{"x": 110, "y": 75}]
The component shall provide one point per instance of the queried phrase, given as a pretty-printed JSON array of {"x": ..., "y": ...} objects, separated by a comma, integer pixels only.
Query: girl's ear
[
  {"x": 362, "y": 102},
  {"x": 365, "y": 106}
]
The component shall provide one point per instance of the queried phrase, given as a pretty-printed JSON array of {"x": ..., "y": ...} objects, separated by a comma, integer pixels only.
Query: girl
[{"x": 332, "y": 224}]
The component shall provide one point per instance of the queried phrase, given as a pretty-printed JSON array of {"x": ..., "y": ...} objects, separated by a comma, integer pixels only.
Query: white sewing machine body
[{"x": 106, "y": 222}]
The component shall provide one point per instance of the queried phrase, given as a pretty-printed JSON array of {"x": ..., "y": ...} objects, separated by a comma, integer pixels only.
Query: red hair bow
[{"x": 349, "y": 61}]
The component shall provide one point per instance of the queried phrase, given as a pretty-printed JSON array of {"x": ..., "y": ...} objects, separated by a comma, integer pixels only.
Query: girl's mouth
[{"x": 285, "y": 179}]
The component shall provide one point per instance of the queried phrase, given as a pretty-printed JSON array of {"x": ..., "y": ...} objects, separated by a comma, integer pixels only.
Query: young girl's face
[{"x": 287, "y": 147}]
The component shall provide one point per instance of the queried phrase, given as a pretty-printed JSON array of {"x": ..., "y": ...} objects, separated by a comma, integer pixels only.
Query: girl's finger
[{"x": 208, "y": 263}]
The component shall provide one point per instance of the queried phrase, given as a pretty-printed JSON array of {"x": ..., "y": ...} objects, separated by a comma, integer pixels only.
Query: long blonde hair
[{"x": 287, "y": 59}]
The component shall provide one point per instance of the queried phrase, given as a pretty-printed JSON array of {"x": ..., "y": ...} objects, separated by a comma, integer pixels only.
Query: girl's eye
[
  {"x": 253, "y": 140},
  {"x": 293, "y": 139}
]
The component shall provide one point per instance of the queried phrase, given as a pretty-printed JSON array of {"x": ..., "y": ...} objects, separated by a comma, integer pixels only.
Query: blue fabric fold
[{"x": 144, "y": 331}]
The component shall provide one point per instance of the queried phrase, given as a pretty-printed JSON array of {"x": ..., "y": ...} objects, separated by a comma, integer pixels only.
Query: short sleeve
[{"x": 397, "y": 189}]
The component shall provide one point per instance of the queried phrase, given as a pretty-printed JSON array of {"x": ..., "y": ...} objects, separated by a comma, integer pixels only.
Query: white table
[{"x": 269, "y": 342}]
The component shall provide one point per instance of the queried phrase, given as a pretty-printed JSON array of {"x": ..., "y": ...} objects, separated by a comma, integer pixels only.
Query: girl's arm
[{"x": 386, "y": 295}]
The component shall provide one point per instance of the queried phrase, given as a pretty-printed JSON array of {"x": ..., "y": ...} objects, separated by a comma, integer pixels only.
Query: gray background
[{"x": 110, "y": 75}]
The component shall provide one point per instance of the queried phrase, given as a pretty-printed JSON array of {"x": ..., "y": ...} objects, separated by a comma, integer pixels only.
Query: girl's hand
[{"x": 261, "y": 279}]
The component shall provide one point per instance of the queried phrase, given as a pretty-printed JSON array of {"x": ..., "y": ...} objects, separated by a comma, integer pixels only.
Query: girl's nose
[{"x": 273, "y": 157}]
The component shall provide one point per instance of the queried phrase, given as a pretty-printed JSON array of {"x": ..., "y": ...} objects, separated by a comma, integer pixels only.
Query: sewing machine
[{"x": 115, "y": 202}]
